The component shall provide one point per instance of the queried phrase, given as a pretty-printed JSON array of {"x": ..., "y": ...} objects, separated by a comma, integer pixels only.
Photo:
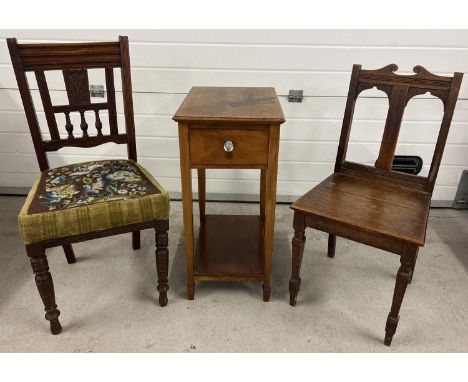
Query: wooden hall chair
[
  {"x": 86, "y": 200},
  {"x": 375, "y": 205}
]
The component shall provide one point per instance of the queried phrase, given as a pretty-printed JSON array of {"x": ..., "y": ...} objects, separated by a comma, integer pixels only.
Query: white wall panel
[
  {"x": 291, "y": 57},
  {"x": 380, "y": 38},
  {"x": 419, "y": 109},
  {"x": 307, "y": 129},
  {"x": 172, "y": 80},
  {"x": 167, "y": 63}
]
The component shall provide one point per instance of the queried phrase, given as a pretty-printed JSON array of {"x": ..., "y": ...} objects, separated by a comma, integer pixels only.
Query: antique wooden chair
[
  {"x": 86, "y": 200},
  {"x": 375, "y": 205}
]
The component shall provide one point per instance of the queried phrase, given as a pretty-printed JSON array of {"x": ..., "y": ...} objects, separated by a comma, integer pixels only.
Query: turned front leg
[
  {"x": 162, "y": 265},
  {"x": 45, "y": 285},
  {"x": 298, "y": 243},
  {"x": 403, "y": 278}
]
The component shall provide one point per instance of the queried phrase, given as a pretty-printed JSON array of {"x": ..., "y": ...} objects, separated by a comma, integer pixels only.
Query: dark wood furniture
[
  {"x": 375, "y": 205},
  {"x": 229, "y": 128},
  {"x": 73, "y": 59}
]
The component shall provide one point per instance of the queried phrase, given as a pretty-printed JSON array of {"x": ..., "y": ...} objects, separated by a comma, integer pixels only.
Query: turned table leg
[
  {"x": 402, "y": 280},
  {"x": 45, "y": 285},
  {"x": 298, "y": 243}
]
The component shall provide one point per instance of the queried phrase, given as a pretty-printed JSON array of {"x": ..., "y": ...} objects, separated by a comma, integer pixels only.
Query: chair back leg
[
  {"x": 69, "y": 253},
  {"x": 136, "y": 242},
  {"x": 331, "y": 246},
  {"x": 414, "y": 266}
]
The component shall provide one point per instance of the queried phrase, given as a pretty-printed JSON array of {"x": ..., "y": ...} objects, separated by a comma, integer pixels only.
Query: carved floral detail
[{"x": 77, "y": 86}]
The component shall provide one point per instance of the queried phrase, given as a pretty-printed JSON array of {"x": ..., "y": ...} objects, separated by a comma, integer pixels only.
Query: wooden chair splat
[
  {"x": 392, "y": 127},
  {"x": 77, "y": 86}
]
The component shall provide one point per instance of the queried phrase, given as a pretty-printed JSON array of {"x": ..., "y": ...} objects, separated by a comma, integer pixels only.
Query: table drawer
[{"x": 212, "y": 147}]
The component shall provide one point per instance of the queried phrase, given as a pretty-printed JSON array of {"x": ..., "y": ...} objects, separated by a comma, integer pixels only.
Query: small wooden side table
[{"x": 222, "y": 127}]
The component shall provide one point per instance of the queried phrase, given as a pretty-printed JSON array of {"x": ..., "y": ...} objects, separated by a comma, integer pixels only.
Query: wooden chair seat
[
  {"x": 375, "y": 206},
  {"x": 89, "y": 197}
]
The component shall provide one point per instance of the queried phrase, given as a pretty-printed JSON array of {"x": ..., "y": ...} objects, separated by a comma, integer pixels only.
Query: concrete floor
[{"x": 108, "y": 298}]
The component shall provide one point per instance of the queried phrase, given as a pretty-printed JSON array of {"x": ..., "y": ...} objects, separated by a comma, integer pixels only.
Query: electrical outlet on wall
[
  {"x": 96, "y": 91},
  {"x": 295, "y": 95}
]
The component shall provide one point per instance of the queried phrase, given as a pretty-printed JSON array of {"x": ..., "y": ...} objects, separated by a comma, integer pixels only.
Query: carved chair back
[
  {"x": 74, "y": 60},
  {"x": 399, "y": 89}
]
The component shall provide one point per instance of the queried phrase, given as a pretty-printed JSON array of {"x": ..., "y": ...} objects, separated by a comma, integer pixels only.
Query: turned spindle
[
  {"x": 68, "y": 125},
  {"x": 83, "y": 124},
  {"x": 98, "y": 123}
]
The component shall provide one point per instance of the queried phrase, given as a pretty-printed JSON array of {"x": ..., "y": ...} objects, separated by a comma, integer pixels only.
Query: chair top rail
[{"x": 55, "y": 56}]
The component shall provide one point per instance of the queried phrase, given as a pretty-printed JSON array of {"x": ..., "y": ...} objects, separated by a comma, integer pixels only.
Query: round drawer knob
[{"x": 229, "y": 146}]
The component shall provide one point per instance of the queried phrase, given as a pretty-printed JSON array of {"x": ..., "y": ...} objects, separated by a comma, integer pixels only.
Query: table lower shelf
[{"x": 230, "y": 247}]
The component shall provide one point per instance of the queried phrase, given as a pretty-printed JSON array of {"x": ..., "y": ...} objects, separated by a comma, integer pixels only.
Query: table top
[{"x": 230, "y": 104}]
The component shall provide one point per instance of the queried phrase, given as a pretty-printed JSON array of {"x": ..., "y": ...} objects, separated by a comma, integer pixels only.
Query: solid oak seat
[{"x": 375, "y": 206}]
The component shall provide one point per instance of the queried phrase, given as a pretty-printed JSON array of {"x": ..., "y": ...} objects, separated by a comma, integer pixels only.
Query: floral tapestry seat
[{"x": 91, "y": 196}]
